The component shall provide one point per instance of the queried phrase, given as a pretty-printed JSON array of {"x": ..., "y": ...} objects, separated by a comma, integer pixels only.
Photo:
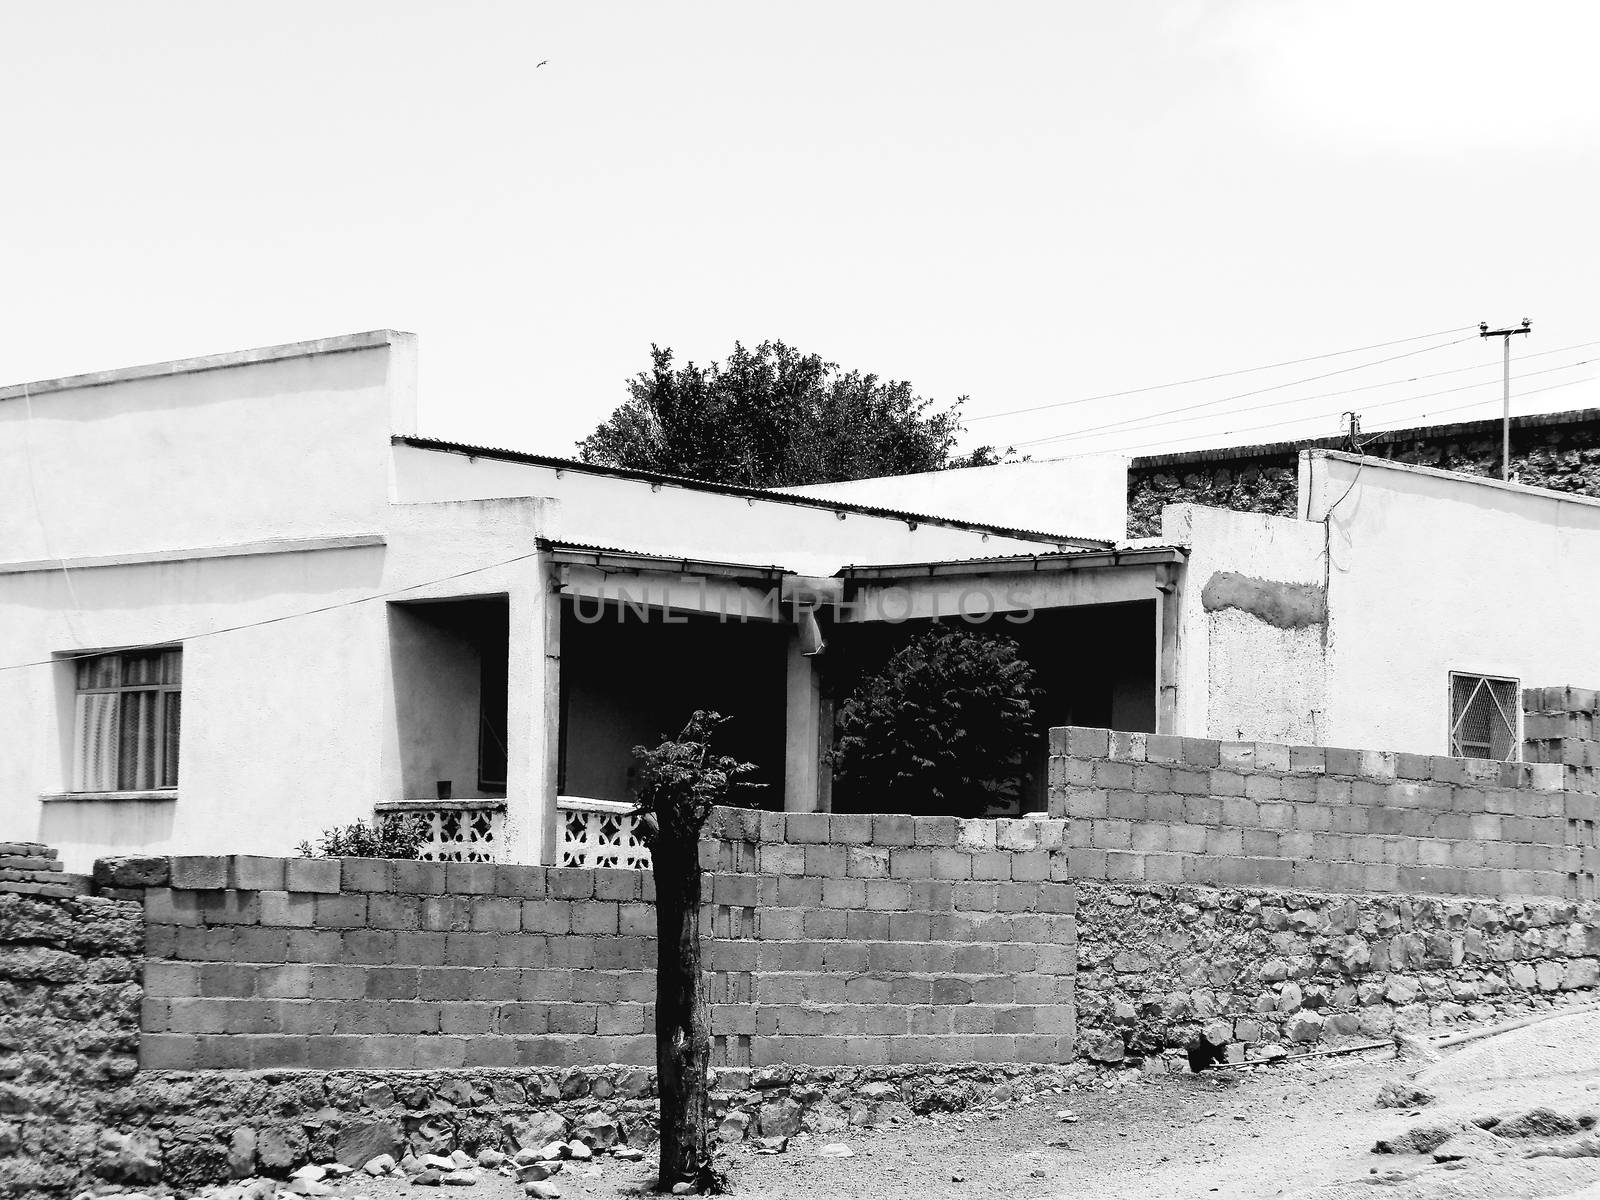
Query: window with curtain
[{"x": 127, "y": 717}]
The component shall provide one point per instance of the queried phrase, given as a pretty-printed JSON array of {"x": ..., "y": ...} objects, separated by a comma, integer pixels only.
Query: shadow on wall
[{"x": 107, "y": 826}]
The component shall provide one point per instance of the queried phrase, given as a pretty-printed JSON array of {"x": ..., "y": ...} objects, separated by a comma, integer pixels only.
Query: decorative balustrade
[
  {"x": 457, "y": 830},
  {"x": 599, "y": 833}
]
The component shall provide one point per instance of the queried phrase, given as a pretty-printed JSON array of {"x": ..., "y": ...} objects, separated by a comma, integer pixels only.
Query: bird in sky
[{"x": 540, "y": 63}]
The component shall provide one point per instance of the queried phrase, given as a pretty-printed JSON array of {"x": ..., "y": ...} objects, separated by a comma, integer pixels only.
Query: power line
[
  {"x": 1380, "y": 404},
  {"x": 1165, "y": 444},
  {"x": 1156, "y": 387},
  {"x": 310, "y": 612},
  {"x": 1277, "y": 387},
  {"x": 1366, "y": 387}
]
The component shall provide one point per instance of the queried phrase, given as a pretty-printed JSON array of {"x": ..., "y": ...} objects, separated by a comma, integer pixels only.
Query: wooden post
[{"x": 683, "y": 1026}]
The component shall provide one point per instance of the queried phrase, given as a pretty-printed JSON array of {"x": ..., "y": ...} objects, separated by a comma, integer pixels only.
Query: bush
[
  {"x": 943, "y": 726},
  {"x": 387, "y": 837}
]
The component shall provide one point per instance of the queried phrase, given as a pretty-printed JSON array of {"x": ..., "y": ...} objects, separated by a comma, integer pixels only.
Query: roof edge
[
  {"x": 1576, "y": 416},
  {"x": 752, "y": 493},
  {"x": 342, "y": 344}
]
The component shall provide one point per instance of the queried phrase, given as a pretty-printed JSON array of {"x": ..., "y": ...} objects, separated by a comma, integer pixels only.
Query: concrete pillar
[
  {"x": 802, "y": 790},
  {"x": 532, "y": 671}
]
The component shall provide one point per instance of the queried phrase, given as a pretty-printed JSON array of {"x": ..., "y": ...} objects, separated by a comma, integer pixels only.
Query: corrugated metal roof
[
  {"x": 1577, "y": 416},
  {"x": 755, "y": 493},
  {"x": 1128, "y": 554},
  {"x": 678, "y": 559}
]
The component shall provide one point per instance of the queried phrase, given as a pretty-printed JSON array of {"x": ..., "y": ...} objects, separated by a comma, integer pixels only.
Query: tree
[
  {"x": 680, "y": 781},
  {"x": 774, "y": 417},
  {"x": 946, "y": 721}
]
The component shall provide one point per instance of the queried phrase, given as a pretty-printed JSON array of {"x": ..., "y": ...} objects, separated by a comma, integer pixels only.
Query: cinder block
[
  {"x": 828, "y": 861},
  {"x": 249, "y": 872},
  {"x": 346, "y": 910},
  {"x": 470, "y": 878},
  {"x": 910, "y": 863},
  {"x": 977, "y": 834},
  {"x": 807, "y": 828},
  {"x": 885, "y": 895},
  {"x": 419, "y": 878},
  {"x": 936, "y": 831},
  {"x": 891, "y": 829},
  {"x": 1083, "y": 742},
  {"x": 319, "y": 875},
  {"x": 1127, "y": 746},
  {"x": 1200, "y": 752},
  {"x": 1124, "y": 866},
  {"x": 1082, "y": 862},
  {"x": 1308, "y": 760},
  {"x": 1017, "y": 835},
  {"x": 499, "y": 914},
  {"x": 867, "y": 862},
  {"x": 1341, "y": 761},
  {"x": 570, "y": 883},
  {"x": 197, "y": 872},
  {"x": 366, "y": 875},
  {"x": 164, "y": 906},
  {"x": 951, "y": 864},
  {"x": 1270, "y": 756},
  {"x": 850, "y": 828},
  {"x": 1163, "y": 748}
]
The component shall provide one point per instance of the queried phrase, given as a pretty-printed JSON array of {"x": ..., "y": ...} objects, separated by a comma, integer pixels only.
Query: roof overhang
[
  {"x": 1022, "y": 564},
  {"x": 609, "y": 558}
]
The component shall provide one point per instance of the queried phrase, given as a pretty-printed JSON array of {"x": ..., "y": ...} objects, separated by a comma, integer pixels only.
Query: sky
[{"x": 1033, "y": 205}]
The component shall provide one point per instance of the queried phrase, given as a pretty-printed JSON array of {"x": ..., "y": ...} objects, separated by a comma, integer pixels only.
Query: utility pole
[{"x": 1505, "y": 335}]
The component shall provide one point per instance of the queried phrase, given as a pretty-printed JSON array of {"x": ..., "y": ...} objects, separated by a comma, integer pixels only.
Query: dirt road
[{"x": 1304, "y": 1130}]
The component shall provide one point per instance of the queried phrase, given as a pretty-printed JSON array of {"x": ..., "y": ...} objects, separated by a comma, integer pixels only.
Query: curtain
[{"x": 95, "y": 766}]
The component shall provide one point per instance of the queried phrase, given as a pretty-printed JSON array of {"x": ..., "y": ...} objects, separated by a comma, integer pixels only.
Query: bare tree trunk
[{"x": 683, "y": 1026}]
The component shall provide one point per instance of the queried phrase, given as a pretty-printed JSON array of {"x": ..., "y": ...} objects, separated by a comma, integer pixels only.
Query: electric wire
[
  {"x": 309, "y": 612},
  {"x": 1276, "y": 387},
  {"x": 1151, "y": 418},
  {"x": 1156, "y": 387},
  {"x": 1166, "y": 445}
]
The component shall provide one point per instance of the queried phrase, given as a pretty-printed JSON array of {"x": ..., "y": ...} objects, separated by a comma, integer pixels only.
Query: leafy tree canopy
[
  {"x": 774, "y": 417},
  {"x": 944, "y": 725}
]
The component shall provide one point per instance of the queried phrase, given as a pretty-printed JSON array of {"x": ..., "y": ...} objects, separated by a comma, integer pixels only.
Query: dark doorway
[
  {"x": 1093, "y": 665},
  {"x": 629, "y": 677}
]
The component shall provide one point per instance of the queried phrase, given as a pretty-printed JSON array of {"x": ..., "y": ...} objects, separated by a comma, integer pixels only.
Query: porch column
[
  {"x": 1169, "y": 595},
  {"x": 802, "y": 732}
]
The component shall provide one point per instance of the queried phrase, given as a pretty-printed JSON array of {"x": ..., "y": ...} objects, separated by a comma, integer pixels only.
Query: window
[
  {"x": 1483, "y": 716},
  {"x": 126, "y": 719}
]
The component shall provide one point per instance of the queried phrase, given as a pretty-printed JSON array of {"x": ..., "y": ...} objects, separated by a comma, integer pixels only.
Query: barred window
[
  {"x": 1483, "y": 716},
  {"x": 127, "y": 718}
]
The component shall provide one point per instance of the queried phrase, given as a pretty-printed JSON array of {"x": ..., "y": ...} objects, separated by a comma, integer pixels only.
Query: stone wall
[
  {"x": 1259, "y": 972},
  {"x": 1159, "y": 809},
  {"x": 832, "y": 940},
  {"x": 210, "y": 1126},
  {"x": 69, "y": 1023},
  {"x": 1558, "y": 450}
]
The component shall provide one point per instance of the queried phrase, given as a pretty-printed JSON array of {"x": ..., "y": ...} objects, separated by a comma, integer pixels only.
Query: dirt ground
[{"x": 1304, "y": 1130}]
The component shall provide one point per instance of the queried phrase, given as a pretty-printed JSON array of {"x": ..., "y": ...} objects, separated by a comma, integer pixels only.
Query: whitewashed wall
[
  {"x": 1243, "y": 674},
  {"x": 1433, "y": 572}
]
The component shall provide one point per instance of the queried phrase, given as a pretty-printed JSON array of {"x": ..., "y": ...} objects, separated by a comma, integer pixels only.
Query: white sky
[{"x": 1025, "y": 202}]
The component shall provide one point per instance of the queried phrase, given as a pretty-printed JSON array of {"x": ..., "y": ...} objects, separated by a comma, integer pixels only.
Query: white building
[{"x": 242, "y": 601}]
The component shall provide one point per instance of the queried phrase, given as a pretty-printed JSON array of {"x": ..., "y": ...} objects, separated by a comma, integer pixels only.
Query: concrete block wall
[
  {"x": 831, "y": 940},
  {"x": 1562, "y": 725},
  {"x": 859, "y": 939},
  {"x": 1148, "y": 808}
]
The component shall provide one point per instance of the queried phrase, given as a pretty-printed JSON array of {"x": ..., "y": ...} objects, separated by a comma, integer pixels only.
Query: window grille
[
  {"x": 126, "y": 718},
  {"x": 1483, "y": 717}
]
